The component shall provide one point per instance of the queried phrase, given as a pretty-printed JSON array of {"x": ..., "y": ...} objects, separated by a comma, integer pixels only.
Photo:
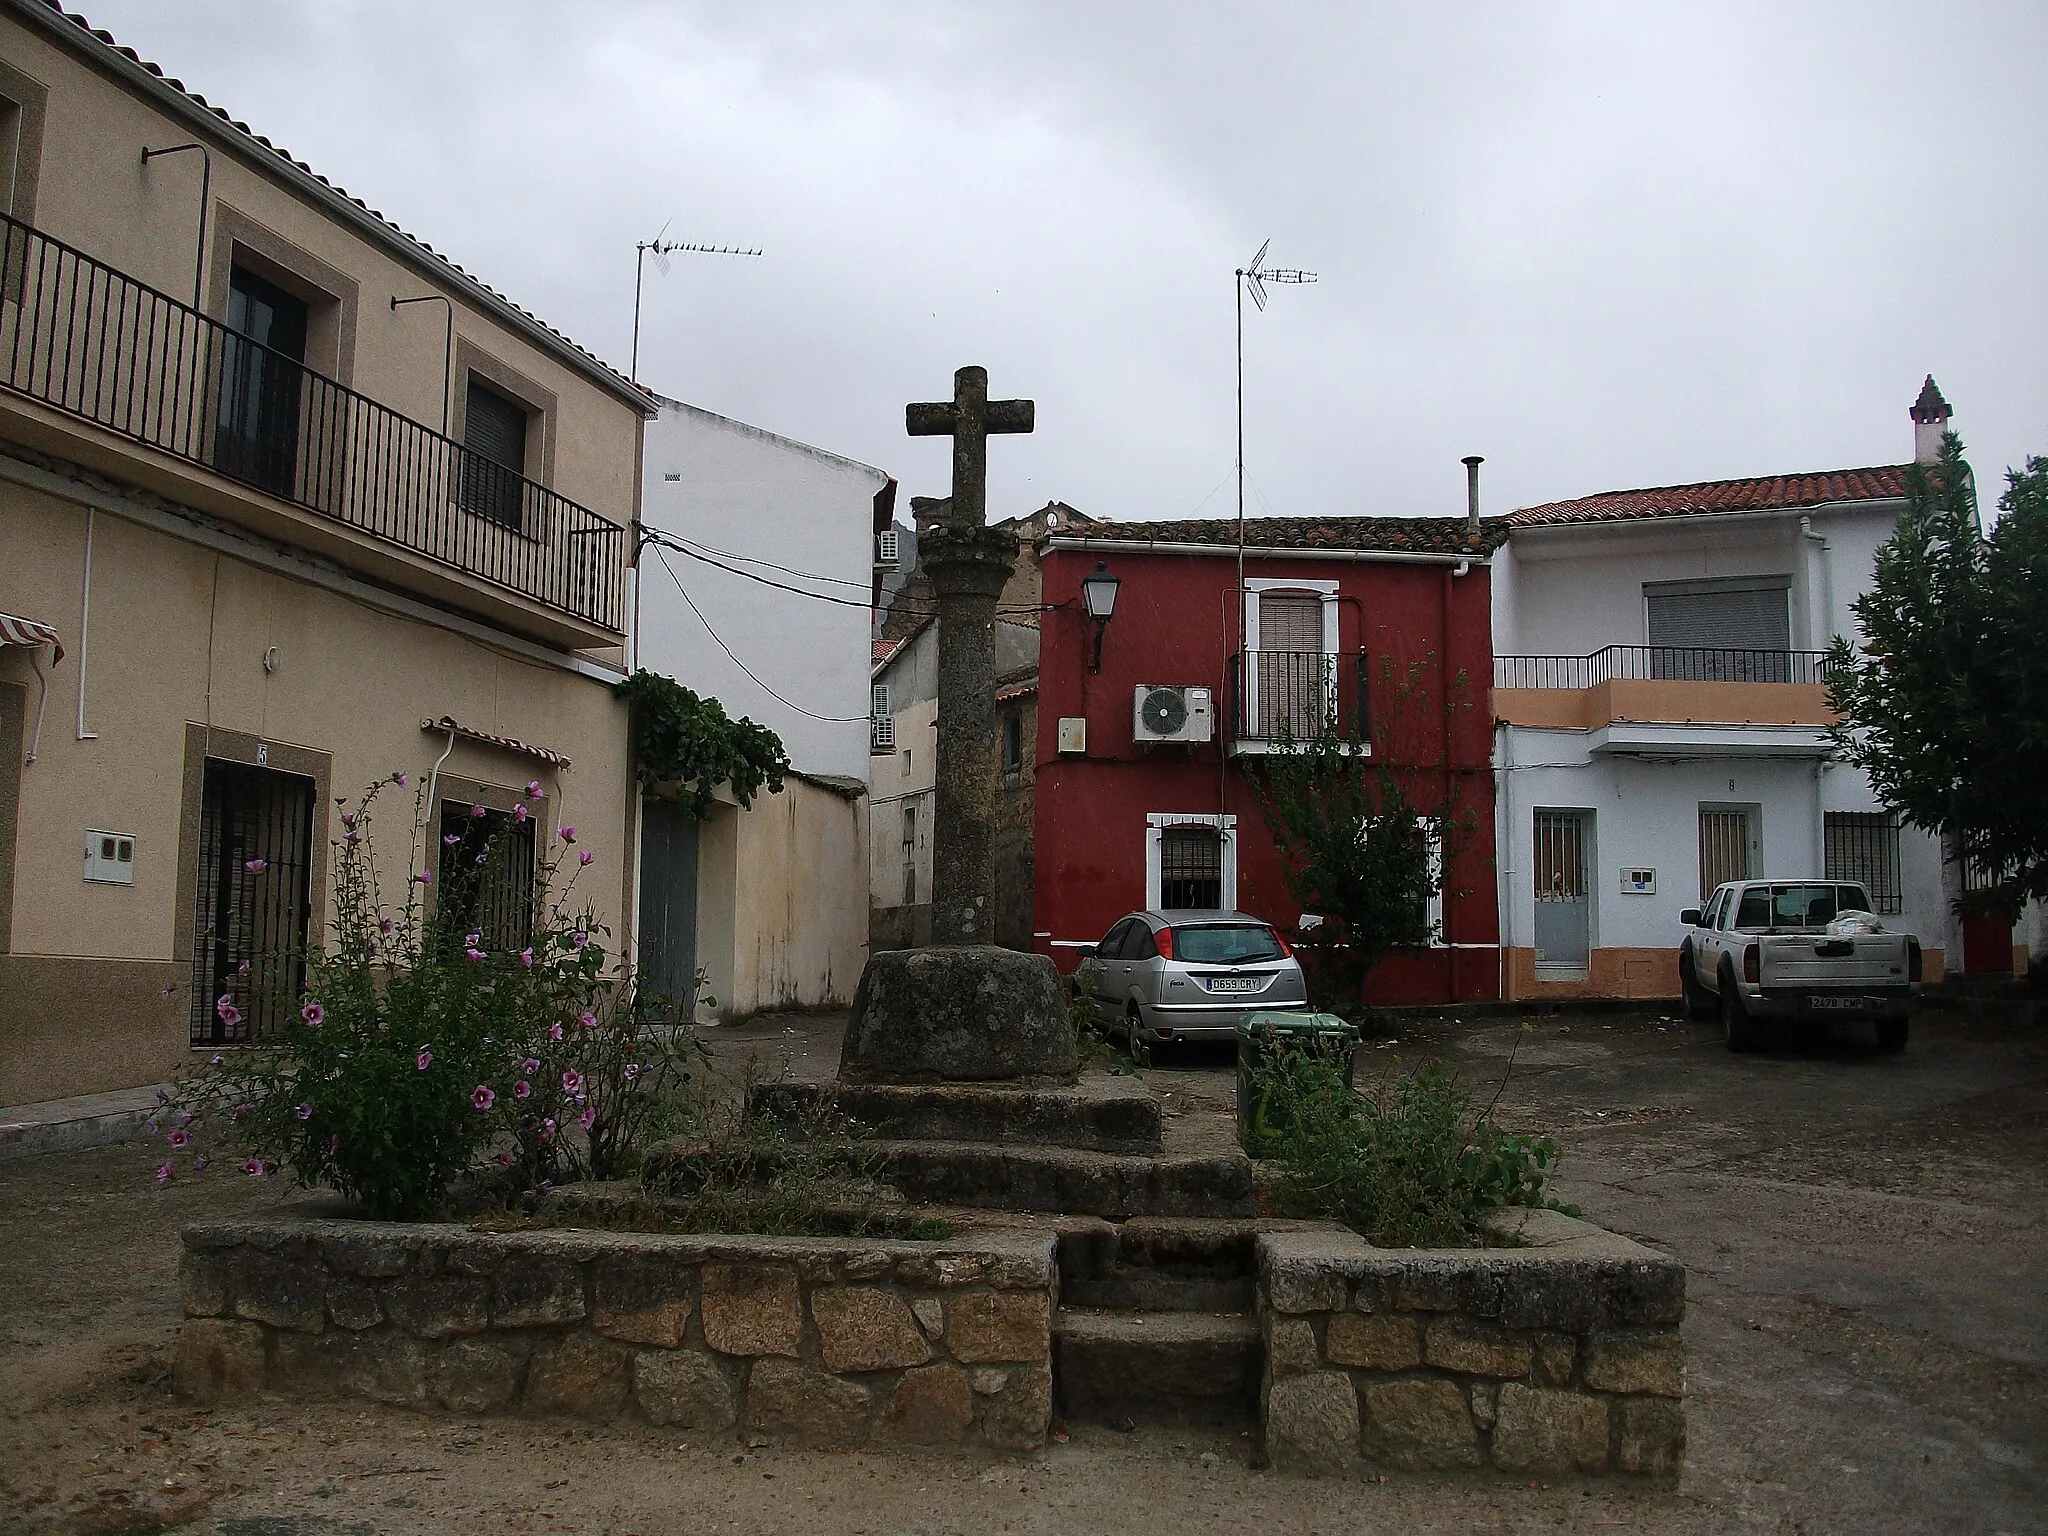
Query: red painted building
[{"x": 1140, "y": 805}]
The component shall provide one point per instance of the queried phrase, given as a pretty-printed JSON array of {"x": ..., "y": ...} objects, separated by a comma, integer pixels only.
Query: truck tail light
[
  {"x": 1164, "y": 939},
  {"x": 1913, "y": 959},
  {"x": 1752, "y": 964}
]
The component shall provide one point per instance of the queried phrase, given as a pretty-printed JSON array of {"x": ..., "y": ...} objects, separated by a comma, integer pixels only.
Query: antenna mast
[
  {"x": 661, "y": 250},
  {"x": 1253, "y": 276}
]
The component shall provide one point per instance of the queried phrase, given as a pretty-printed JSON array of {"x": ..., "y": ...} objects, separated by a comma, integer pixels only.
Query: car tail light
[
  {"x": 1913, "y": 960},
  {"x": 1164, "y": 939},
  {"x": 1286, "y": 949},
  {"x": 1752, "y": 964}
]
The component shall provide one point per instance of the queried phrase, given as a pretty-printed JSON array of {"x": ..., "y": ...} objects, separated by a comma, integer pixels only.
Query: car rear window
[
  {"x": 1225, "y": 943},
  {"x": 1796, "y": 908}
]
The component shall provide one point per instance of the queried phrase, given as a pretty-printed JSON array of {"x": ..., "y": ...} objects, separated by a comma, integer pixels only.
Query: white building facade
[
  {"x": 755, "y": 585},
  {"x": 1661, "y": 720}
]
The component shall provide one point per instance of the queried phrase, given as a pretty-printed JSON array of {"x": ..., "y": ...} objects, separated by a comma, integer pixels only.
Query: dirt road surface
[{"x": 1866, "y": 1236}]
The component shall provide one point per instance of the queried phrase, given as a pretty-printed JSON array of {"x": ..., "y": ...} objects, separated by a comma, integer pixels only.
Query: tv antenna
[
  {"x": 661, "y": 250},
  {"x": 1253, "y": 277}
]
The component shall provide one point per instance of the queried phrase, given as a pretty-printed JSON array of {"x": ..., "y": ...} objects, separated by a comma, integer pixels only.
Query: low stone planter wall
[
  {"x": 806, "y": 1340},
  {"x": 1560, "y": 1357}
]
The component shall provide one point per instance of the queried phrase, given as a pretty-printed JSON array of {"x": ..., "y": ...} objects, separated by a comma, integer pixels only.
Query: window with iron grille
[
  {"x": 910, "y": 854},
  {"x": 1864, "y": 846},
  {"x": 486, "y": 879},
  {"x": 255, "y": 870},
  {"x": 1013, "y": 742},
  {"x": 1725, "y": 846},
  {"x": 1190, "y": 869},
  {"x": 494, "y": 468}
]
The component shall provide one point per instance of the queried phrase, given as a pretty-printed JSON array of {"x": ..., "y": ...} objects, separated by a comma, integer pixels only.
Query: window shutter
[
  {"x": 1750, "y": 616},
  {"x": 1291, "y": 623},
  {"x": 494, "y": 428}
]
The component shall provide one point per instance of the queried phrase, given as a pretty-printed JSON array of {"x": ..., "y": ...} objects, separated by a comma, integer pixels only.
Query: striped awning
[{"x": 30, "y": 632}]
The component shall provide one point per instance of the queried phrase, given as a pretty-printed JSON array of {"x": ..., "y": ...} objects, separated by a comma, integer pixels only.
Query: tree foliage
[
  {"x": 1945, "y": 703},
  {"x": 681, "y": 739}
]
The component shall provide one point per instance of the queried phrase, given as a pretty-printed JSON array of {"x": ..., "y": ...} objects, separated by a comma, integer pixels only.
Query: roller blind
[{"x": 1752, "y": 614}]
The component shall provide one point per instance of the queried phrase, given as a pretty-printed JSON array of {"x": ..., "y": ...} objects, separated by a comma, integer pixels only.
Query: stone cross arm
[
  {"x": 940, "y": 418},
  {"x": 968, "y": 418}
]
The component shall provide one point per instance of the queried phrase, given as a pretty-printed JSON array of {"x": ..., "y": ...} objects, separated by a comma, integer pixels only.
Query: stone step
[
  {"x": 1178, "y": 1368},
  {"x": 1066, "y": 1180},
  {"x": 1159, "y": 1264},
  {"x": 1100, "y": 1113}
]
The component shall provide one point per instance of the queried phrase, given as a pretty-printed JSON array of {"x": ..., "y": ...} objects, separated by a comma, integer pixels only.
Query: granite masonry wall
[
  {"x": 808, "y": 1341},
  {"x": 1559, "y": 1357}
]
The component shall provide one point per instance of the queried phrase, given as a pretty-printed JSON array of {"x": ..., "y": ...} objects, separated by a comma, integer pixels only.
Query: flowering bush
[{"x": 425, "y": 1047}]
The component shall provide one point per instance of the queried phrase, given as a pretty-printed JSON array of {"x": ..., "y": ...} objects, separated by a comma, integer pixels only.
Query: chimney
[
  {"x": 1472, "y": 463},
  {"x": 1930, "y": 415}
]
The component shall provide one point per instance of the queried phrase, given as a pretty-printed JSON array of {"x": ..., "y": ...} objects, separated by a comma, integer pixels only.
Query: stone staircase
[{"x": 1155, "y": 1324}]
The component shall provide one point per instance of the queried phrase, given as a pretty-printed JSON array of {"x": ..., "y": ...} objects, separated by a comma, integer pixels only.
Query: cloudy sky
[{"x": 1604, "y": 245}]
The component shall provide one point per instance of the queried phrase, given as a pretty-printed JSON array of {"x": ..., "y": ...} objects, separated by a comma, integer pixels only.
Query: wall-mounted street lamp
[
  {"x": 447, "y": 346},
  {"x": 1098, "y": 601},
  {"x": 205, "y": 193}
]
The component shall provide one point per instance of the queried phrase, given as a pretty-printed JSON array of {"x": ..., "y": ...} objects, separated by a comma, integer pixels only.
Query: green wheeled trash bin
[{"x": 1322, "y": 1034}]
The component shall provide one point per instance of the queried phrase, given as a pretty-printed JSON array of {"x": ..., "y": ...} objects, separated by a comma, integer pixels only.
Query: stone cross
[{"x": 969, "y": 563}]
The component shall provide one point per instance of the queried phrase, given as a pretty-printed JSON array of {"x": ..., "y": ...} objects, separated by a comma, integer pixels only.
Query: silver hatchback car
[{"x": 1188, "y": 975}]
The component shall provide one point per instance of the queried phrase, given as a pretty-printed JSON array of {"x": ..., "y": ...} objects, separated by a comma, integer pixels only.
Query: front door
[
  {"x": 1987, "y": 941},
  {"x": 1564, "y": 922},
  {"x": 668, "y": 910},
  {"x": 257, "y": 437},
  {"x": 249, "y": 916}
]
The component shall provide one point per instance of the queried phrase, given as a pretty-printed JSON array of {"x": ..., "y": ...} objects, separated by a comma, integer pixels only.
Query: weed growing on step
[{"x": 1411, "y": 1163}]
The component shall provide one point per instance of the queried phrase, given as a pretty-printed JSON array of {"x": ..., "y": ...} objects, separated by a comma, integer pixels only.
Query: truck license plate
[
  {"x": 1234, "y": 984},
  {"x": 1842, "y": 1004}
]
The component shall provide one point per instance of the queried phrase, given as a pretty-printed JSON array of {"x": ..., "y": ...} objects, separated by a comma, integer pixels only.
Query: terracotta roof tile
[
  {"x": 1880, "y": 483},
  {"x": 467, "y": 278},
  {"x": 1394, "y": 535}
]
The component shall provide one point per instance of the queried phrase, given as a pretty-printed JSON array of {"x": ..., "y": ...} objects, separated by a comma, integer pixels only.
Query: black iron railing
[
  {"x": 1298, "y": 695},
  {"x": 86, "y": 339},
  {"x": 1690, "y": 663}
]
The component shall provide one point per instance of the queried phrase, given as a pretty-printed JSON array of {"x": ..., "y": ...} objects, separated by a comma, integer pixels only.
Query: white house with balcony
[
  {"x": 761, "y": 559},
  {"x": 1661, "y": 723}
]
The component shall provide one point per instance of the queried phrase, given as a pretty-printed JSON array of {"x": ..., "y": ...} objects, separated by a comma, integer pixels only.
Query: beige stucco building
[{"x": 291, "y": 536}]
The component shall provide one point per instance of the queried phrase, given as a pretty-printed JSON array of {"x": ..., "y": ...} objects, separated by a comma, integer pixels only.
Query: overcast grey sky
[{"x": 1605, "y": 245}]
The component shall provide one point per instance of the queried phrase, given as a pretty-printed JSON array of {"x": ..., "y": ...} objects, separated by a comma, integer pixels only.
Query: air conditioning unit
[
  {"x": 888, "y": 552},
  {"x": 1163, "y": 712}
]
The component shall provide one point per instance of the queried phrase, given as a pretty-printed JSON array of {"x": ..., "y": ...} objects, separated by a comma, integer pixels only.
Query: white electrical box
[
  {"x": 1172, "y": 713},
  {"x": 1639, "y": 882},
  {"x": 110, "y": 857},
  {"x": 1073, "y": 733}
]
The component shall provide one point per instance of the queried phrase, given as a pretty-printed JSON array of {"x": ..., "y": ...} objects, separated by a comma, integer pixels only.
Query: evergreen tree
[{"x": 1945, "y": 704}]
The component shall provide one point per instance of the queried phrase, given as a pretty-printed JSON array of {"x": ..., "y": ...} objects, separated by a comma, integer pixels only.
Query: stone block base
[
  {"x": 968, "y": 1013},
  {"x": 1097, "y": 1114}
]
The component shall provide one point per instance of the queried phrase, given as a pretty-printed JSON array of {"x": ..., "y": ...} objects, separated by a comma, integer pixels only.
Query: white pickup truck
[{"x": 1766, "y": 954}]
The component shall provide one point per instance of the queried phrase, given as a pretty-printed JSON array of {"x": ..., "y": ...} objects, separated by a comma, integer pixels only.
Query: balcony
[
  {"x": 1673, "y": 700},
  {"x": 1278, "y": 698},
  {"x": 395, "y": 499}
]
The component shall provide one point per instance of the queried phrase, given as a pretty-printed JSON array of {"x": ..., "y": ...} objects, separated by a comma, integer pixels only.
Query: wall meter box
[
  {"x": 1639, "y": 882},
  {"x": 110, "y": 857},
  {"x": 1073, "y": 733}
]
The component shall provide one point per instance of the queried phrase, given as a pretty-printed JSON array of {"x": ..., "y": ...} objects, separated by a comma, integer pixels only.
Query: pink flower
[
  {"x": 178, "y": 1138},
  {"x": 304, "y": 1111},
  {"x": 199, "y": 1163},
  {"x": 219, "y": 1060},
  {"x": 384, "y": 925},
  {"x": 477, "y": 813},
  {"x": 398, "y": 778},
  {"x": 555, "y": 1030},
  {"x": 530, "y": 1065},
  {"x": 482, "y": 1097},
  {"x": 547, "y": 1130},
  {"x": 348, "y": 818},
  {"x": 480, "y": 860},
  {"x": 587, "y": 1020},
  {"x": 253, "y": 1167},
  {"x": 424, "y": 1060},
  {"x": 476, "y": 956},
  {"x": 504, "y": 1159},
  {"x": 165, "y": 995},
  {"x": 572, "y": 1080},
  {"x": 256, "y": 866},
  {"x": 567, "y": 834},
  {"x": 632, "y": 1070},
  {"x": 163, "y": 1095},
  {"x": 474, "y": 937},
  {"x": 522, "y": 1089},
  {"x": 578, "y": 939},
  {"x": 230, "y": 1015},
  {"x": 313, "y": 1014},
  {"x": 333, "y": 1145},
  {"x": 526, "y": 958},
  {"x": 351, "y": 836},
  {"x": 242, "y": 969},
  {"x": 586, "y": 857},
  {"x": 450, "y": 839},
  {"x": 588, "y": 1118},
  {"x": 163, "y": 1173},
  {"x": 519, "y": 813},
  {"x": 425, "y": 877},
  {"x": 533, "y": 789}
]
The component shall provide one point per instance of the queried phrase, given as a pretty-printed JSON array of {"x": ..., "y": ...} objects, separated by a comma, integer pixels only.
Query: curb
[{"x": 32, "y": 1138}]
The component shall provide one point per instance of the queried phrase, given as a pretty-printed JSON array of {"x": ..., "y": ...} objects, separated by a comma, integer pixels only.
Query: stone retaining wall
[
  {"x": 1557, "y": 1358},
  {"x": 813, "y": 1341}
]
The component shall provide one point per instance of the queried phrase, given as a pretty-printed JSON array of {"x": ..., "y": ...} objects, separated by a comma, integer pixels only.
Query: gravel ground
[{"x": 1865, "y": 1237}]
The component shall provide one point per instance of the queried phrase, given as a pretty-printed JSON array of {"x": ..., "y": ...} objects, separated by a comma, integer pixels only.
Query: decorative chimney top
[{"x": 1930, "y": 415}]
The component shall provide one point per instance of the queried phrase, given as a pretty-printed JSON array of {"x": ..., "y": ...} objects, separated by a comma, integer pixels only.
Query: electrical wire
[
  {"x": 685, "y": 591},
  {"x": 726, "y": 554}
]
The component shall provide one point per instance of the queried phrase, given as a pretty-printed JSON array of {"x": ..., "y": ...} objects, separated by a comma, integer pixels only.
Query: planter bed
[{"x": 841, "y": 1341}]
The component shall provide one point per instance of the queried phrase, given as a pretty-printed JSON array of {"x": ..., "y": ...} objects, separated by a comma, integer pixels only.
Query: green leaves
[
  {"x": 686, "y": 741},
  {"x": 1945, "y": 705}
]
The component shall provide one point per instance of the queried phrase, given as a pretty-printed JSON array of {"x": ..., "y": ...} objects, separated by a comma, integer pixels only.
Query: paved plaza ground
[{"x": 1866, "y": 1235}]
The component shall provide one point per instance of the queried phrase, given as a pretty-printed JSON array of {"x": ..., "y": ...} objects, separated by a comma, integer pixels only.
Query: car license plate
[
  {"x": 1843, "y": 1004},
  {"x": 1234, "y": 984}
]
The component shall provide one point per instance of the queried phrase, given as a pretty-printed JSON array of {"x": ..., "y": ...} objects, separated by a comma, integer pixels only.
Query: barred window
[
  {"x": 1864, "y": 847},
  {"x": 1190, "y": 869}
]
